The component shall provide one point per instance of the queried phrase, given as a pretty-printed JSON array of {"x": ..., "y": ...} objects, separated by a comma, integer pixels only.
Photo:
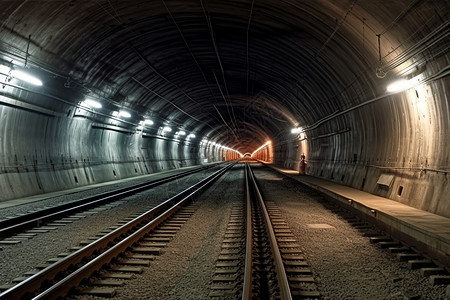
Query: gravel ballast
[
  {"x": 346, "y": 265},
  {"x": 186, "y": 266},
  {"x": 16, "y": 260}
]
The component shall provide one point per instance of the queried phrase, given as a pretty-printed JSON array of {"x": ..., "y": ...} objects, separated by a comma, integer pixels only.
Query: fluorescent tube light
[
  {"x": 91, "y": 103},
  {"x": 124, "y": 114},
  {"x": 26, "y": 77},
  {"x": 399, "y": 86}
]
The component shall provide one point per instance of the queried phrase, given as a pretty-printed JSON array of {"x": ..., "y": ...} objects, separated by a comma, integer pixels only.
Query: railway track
[
  {"x": 11, "y": 229},
  {"x": 68, "y": 273},
  {"x": 260, "y": 257},
  {"x": 403, "y": 249}
]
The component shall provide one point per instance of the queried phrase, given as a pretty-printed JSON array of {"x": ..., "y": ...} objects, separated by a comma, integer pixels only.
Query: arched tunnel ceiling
[{"x": 238, "y": 72}]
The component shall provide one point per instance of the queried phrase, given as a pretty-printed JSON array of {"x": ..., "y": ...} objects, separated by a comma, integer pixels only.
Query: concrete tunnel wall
[
  {"x": 44, "y": 153},
  {"x": 396, "y": 147}
]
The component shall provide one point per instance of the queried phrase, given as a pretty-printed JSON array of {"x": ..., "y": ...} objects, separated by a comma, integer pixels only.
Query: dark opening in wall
[
  {"x": 321, "y": 173},
  {"x": 76, "y": 179},
  {"x": 342, "y": 177},
  {"x": 114, "y": 172},
  {"x": 135, "y": 170},
  {"x": 400, "y": 190}
]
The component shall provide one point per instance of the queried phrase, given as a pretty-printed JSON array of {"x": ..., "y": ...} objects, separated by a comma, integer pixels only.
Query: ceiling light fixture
[
  {"x": 91, "y": 103},
  {"x": 297, "y": 130},
  {"x": 124, "y": 114},
  {"x": 26, "y": 77},
  {"x": 399, "y": 86},
  {"x": 166, "y": 129}
]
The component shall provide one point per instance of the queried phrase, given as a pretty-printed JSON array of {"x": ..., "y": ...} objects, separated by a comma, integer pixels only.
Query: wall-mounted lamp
[
  {"x": 89, "y": 103},
  {"x": 399, "y": 86},
  {"x": 190, "y": 136},
  {"x": 297, "y": 130},
  {"x": 26, "y": 77},
  {"x": 165, "y": 129},
  {"x": 124, "y": 114},
  {"x": 144, "y": 123},
  {"x": 181, "y": 132}
]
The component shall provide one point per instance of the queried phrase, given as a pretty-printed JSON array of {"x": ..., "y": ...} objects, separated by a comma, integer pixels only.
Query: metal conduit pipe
[
  {"x": 442, "y": 73},
  {"x": 428, "y": 41}
]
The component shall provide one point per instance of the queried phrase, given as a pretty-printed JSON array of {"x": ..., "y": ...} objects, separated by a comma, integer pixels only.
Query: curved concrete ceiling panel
[{"x": 189, "y": 61}]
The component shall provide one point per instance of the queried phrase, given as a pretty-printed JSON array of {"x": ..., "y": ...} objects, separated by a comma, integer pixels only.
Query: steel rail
[
  {"x": 11, "y": 226},
  {"x": 141, "y": 225},
  {"x": 247, "y": 287},
  {"x": 283, "y": 283}
]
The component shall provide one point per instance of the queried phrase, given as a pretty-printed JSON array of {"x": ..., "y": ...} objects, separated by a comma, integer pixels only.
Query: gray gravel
[
  {"x": 51, "y": 199},
  {"x": 346, "y": 265},
  {"x": 186, "y": 270},
  {"x": 15, "y": 260},
  {"x": 186, "y": 267}
]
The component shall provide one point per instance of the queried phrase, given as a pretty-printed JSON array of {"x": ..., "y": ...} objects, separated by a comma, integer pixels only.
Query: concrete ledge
[{"x": 429, "y": 233}]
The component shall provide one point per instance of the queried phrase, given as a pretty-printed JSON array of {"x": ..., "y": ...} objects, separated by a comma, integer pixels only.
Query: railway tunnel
[
  {"x": 97, "y": 91},
  {"x": 130, "y": 88}
]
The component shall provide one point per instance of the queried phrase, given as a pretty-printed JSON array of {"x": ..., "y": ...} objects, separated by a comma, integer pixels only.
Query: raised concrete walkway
[
  {"x": 431, "y": 230},
  {"x": 44, "y": 196}
]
